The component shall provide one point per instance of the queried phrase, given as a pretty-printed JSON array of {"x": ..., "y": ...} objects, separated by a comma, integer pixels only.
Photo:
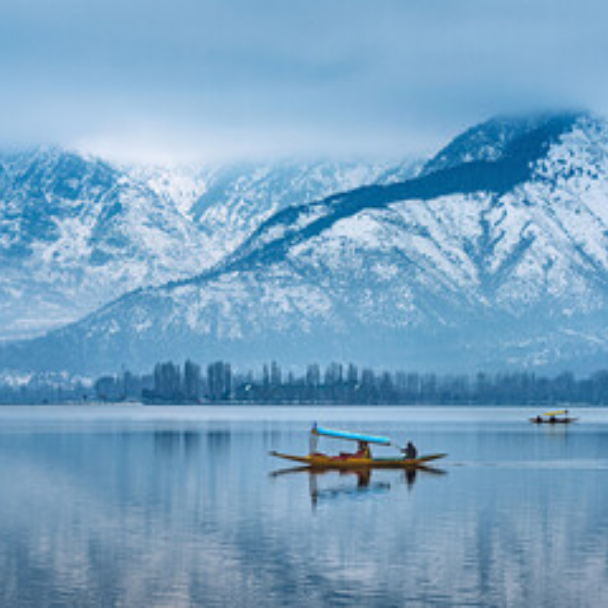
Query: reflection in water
[
  {"x": 180, "y": 442},
  {"x": 187, "y": 515},
  {"x": 362, "y": 487},
  {"x": 410, "y": 477},
  {"x": 363, "y": 477}
]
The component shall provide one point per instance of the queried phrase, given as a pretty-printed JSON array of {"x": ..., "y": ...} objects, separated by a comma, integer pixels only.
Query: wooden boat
[
  {"x": 566, "y": 420},
  {"x": 555, "y": 417},
  {"x": 360, "y": 460},
  {"x": 322, "y": 461}
]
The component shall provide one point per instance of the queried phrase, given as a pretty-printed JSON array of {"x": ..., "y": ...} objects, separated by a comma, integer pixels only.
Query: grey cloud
[{"x": 243, "y": 77}]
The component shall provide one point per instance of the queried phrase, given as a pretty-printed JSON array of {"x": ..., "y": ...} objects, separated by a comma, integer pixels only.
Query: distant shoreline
[{"x": 287, "y": 405}]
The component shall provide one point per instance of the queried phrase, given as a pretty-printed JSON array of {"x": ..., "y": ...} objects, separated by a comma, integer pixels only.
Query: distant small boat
[
  {"x": 555, "y": 417},
  {"x": 360, "y": 460}
]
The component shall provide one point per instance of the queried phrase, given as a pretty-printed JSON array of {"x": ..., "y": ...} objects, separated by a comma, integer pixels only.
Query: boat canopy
[
  {"x": 317, "y": 430},
  {"x": 555, "y": 413}
]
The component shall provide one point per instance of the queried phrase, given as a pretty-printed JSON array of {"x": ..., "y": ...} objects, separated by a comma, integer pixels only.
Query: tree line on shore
[
  {"x": 172, "y": 383},
  {"x": 43, "y": 389},
  {"x": 348, "y": 384}
]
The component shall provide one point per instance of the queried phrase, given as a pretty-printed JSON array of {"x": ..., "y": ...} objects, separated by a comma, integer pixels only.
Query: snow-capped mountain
[
  {"x": 76, "y": 231},
  {"x": 496, "y": 254}
]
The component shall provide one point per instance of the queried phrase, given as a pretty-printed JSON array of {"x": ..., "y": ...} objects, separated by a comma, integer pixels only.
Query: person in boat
[
  {"x": 410, "y": 451},
  {"x": 363, "y": 450}
]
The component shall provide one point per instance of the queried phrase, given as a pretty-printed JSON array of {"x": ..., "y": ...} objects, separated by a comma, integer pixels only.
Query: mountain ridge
[
  {"x": 463, "y": 179},
  {"x": 477, "y": 265},
  {"x": 76, "y": 231}
]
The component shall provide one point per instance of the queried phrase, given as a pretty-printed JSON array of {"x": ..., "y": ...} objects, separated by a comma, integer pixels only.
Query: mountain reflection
[{"x": 190, "y": 517}]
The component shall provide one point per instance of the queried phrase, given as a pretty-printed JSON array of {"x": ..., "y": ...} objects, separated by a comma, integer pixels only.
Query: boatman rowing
[{"x": 410, "y": 451}]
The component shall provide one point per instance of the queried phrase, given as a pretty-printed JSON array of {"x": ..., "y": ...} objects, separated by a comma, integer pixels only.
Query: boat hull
[
  {"x": 556, "y": 421},
  {"x": 329, "y": 462}
]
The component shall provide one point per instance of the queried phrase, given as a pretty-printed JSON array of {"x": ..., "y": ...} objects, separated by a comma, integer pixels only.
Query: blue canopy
[{"x": 317, "y": 430}]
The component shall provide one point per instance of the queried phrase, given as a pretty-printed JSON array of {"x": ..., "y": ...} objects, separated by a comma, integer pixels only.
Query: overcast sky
[{"x": 186, "y": 79}]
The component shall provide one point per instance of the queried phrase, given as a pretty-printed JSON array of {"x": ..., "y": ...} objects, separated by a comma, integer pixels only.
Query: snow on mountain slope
[
  {"x": 239, "y": 198},
  {"x": 76, "y": 232},
  {"x": 493, "y": 259}
]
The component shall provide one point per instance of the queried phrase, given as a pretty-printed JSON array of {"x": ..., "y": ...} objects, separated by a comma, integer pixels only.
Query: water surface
[{"x": 140, "y": 506}]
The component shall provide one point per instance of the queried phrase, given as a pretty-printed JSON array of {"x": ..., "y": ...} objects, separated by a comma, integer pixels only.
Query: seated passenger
[{"x": 363, "y": 450}]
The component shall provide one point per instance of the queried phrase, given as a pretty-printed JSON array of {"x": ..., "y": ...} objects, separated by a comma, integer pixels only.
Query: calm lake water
[{"x": 145, "y": 506}]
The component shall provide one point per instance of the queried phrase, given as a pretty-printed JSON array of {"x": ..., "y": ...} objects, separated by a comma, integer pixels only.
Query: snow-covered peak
[{"x": 491, "y": 140}]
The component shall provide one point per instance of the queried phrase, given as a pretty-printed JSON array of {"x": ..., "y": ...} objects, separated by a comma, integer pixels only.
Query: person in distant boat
[{"x": 410, "y": 451}]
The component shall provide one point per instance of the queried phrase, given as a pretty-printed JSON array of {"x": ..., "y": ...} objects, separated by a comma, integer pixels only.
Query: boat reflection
[
  {"x": 363, "y": 485},
  {"x": 410, "y": 475}
]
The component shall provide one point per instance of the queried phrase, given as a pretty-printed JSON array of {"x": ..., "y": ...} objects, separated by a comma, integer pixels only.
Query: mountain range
[
  {"x": 493, "y": 255},
  {"x": 77, "y": 231}
]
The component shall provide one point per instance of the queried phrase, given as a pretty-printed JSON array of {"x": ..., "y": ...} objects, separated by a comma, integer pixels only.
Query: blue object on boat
[{"x": 317, "y": 430}]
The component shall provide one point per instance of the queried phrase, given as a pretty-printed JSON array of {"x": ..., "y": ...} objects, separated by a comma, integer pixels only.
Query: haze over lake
[{"x": 177, "y": 506}]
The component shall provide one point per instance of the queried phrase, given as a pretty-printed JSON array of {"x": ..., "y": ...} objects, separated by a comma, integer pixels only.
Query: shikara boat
[
  {"x": 322, "y": 461},
  {"x": 317, "y": 460},
  {"x": 555, "y": 417}
]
